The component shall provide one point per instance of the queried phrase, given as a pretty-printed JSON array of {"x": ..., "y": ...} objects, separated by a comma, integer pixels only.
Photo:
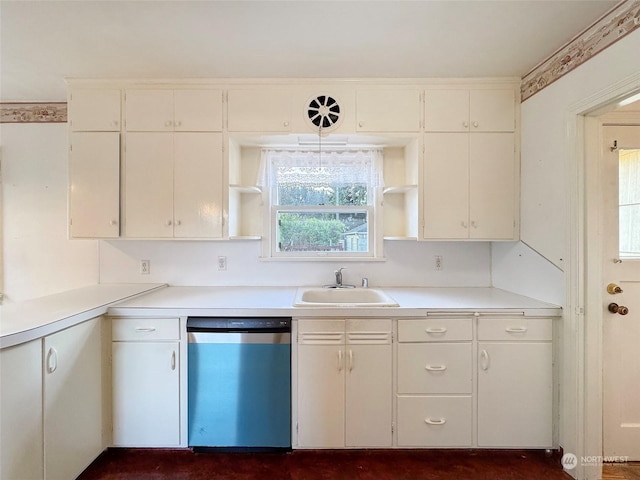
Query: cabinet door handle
[
  {"x": 431, "y": 421},
  {"x": 463, "y": 224},
  {"x": 173, "y": 360},
  {"x": 339, "y": 360},
  {"x": 474, "y": 224},
  {"x": 516, "y": 329},
  {"x": 465, "y": 124},
  {"x": 484, "y": 360},
  {"x": 52, "y": 360},
  {"x": 435, "y": 368},
  {"x": 475, "y": 124},
  {"x": 350, "y": 359},
  {"x": 145, "y": 329},
  {"x": 436, "y": 330}
]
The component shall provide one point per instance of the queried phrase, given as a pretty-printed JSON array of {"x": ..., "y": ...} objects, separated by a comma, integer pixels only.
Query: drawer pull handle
[
  {"x": 436, "y": 368},
  {"x": 516, "y": 329},
  {"x": 436, "y": 330},
  {"x": 145, "y": 329},
  {"x": 484, "y": 360},
  {"x": 431, "y": 421}
]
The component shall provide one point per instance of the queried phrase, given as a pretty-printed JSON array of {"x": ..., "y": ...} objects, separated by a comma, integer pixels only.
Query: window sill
[{"x": 323, "y": 259}]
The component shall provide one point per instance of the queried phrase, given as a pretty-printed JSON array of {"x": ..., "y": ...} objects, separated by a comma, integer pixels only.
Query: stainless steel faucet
[{"x": 339, "y": 277}]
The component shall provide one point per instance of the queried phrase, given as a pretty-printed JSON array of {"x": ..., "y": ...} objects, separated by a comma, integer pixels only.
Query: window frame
[{"x": 373, "y": 208}]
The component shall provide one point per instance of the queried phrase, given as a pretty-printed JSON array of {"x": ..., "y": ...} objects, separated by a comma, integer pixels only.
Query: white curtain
[{"x": 321, "y": 168}]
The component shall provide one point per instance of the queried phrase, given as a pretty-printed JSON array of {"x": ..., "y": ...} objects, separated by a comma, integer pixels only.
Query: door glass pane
[{"x": 629, "y": 179}]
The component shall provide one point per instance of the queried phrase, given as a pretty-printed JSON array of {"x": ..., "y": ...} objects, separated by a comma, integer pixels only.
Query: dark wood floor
[
  {"x": 621, "y": 471},
  {"x": 142, "y": 464}
]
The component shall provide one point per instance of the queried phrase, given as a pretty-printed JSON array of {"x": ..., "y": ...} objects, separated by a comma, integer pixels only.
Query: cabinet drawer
[
  {"x": 516, "y": 328},
  {"x": 435, "y": 330},
  {"x": 434, "y": 368},
  {"x": 132, "y": 329},
  {"x": 434, "y": 421}
]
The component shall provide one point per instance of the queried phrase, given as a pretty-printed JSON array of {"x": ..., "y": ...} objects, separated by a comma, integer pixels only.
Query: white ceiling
[{"x": 42, "y": 42}]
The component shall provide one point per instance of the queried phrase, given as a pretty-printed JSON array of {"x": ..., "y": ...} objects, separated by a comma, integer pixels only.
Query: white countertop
[
  {"x": 24, "y": 321},
  {"x": 413, "y": 301}
]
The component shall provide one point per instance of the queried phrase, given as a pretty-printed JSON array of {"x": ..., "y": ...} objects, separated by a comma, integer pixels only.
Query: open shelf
[
  {"x": 399, "y": 189},
  {"x": 245, "y": 188}
]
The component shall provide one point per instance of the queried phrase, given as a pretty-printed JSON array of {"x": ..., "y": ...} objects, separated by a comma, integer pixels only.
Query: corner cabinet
[
  {"x": 146, "y": 364},
  {"x": 94, "y": 163},
  {"x": 470, "y": 173},
  {"x": 344, "y": 380}
]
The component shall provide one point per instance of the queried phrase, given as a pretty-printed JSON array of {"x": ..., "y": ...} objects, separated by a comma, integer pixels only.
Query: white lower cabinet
[
  {"x": 435, "y": 383},
  {"x": 344, "y": 379},
  {"x": 21, "y": 434},
  {"x": 146, "y": 382},
  {"x": 515, "y": 383},
  {"x": 72, "y": 400}
]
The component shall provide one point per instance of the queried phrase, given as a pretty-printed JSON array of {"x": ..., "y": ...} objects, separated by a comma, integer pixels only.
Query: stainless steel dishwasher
[{"x": 239, "y": 382}]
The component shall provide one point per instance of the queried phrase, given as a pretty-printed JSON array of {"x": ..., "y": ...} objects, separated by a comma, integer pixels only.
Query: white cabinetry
[
  {"x": 94, "y": 185},
  {"x": 72, "y": 400},
  {"x": 344, "y": 377},
  {"x": 94, "y": 163},
  {"x": 262, "y": 109},
  {"x": 389, "y": 109},
  {"x": 146, "y": 382},
  {"x": 470, "y": 174},
  {"x": 435, "y": 382},
  {"x": 21, "y": 434},
  {"x": 245, "y": 195},
  {"x": 157, "y": 110},
  {"x": 173, "y": 185},
  {"x": 515, "y": 383}
]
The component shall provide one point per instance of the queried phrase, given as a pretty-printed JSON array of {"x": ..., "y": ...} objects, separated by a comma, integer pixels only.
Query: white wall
[
  {"x": 38, "y": 258},
  {"x": 547, "y": 139},
  {"x": 195, "y": 263}
]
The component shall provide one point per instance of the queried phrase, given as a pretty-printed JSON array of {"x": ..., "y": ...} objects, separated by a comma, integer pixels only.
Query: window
[
  {"x": 323, "y": 205},
  {"x": 629, "y": 180}
]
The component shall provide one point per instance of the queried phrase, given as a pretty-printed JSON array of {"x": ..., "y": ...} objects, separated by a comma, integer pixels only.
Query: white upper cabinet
[
  {"x": 94, "y": 110},
  {"x": 196, "y": 110},
  {"x": 388, "y": 109},
  {"x": 94, "y": 185},
  {"x": 259, "y": 110},
  {"x": 470, "y": 110},
  {"x": 173, "y": 185}
]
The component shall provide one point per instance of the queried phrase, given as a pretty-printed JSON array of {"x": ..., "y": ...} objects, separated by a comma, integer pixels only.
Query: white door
[
  {"x": 148, "y": 185},
  {"x": 260, "y": 110},
  {"x": 94, "y": 185},
  {"x": 72, "y": 400},
  {"x": 198, "y": 110},
  {"x": 94, "y": 110},
  {"x": 492, "y": 110},
  {"x": 146, "y": 394},
  {"x": 198, "y": 185},
  {"x": 446, "y": 111},
  {"x": 386, "y": 110},
  {"x": 621, "y": 357},
  {"x": 149, "y": 110}
]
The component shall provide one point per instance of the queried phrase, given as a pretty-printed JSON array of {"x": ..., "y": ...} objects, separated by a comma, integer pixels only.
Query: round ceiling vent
[{"x": 323, "y": 113}]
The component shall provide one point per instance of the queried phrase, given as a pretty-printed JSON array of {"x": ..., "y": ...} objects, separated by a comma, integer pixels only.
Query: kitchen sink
[{"x": 342, "y": 297}]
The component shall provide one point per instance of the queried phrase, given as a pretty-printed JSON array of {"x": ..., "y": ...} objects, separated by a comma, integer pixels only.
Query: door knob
[
  {"x": 619, "y": 309},
  {"x": 612, "y": 288}
]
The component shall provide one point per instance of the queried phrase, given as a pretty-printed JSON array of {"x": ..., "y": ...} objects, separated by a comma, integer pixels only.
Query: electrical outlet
[
  {"x": 222, "y": 262},
  {"x": 145, "y": 267},
  {"x": 438, "y": 262}
]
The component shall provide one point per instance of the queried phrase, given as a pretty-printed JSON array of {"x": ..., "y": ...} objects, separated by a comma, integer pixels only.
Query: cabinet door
[
  {"x": 146, "y": 394},
  {"x": 21, "y": 434},
  {"x": 492, "y": 201},
  {"x": 260, "y": 110},
  {"x": 148, "y": 199},
  {"x": 446, "y": 111},
  {"x": 321, "y": 391},
  {"x": 198, "y": 185},
  {"x": 492, "y": 110},
  {"x": 368, "y": 396},
  {"x": 94, "y": 185},
  {"x": 446, "y": 185},
  {"x": 149, "y": 110},
  {"x": 94, "y": 110},
  {"x": 515, "y": 395},
  {"x": 72, "y": 400},
  {"x": 388, "y": 110},
  {"x": 198, "y": 110}
]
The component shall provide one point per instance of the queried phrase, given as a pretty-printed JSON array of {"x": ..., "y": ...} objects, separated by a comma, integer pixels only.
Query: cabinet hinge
[
  {"x": 297, "y": 427},
  {"x": 71, "y": 147},
  {"x": 393, "y": 428},
  {"x": 71, "y": 97}
]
